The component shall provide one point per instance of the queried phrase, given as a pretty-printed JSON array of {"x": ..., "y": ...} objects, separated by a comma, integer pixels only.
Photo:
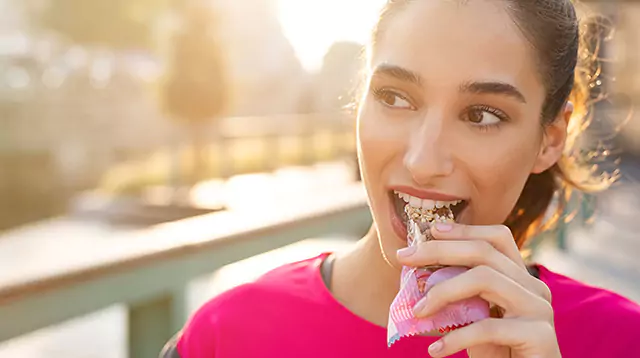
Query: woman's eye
[
  {"x": 478, "y": 116},
  {"x": 392, "y": 99},
  {"x": 485, "y": 116}
]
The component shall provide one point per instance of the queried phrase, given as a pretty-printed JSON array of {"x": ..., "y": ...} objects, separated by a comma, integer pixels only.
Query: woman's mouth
[{"x": 400, "y": 200}]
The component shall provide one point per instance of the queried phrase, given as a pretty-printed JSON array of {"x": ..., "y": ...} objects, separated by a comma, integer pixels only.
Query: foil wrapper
[{"x": 414, "y": 285}]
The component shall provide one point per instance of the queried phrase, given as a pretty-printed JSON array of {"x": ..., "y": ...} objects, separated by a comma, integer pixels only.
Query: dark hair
[{"x": 567, "y": 69}]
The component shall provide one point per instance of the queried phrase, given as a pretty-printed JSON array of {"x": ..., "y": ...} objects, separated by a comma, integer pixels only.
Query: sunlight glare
[{"x": 312, "y": 26}]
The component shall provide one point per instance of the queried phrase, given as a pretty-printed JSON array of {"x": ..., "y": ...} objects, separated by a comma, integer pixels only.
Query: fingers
[
  {"x": 498, "y": 236},
  {"x": 492, "y": 286},
  {"x": 479, "y": 246},
  {"x": 465, "y": 253},
  {"x": 497, "y": 274},
  {"x": 533, "y": 338}
]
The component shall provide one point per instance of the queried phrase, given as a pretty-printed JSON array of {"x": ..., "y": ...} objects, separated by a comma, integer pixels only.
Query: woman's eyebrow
[
  {"x": 399, "y": 73},
  {"x": 500, "y": 88},
  {"x": 478, "y": 87}
]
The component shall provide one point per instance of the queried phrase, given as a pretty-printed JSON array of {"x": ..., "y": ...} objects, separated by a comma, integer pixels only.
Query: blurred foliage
[
  {"x": 340, "y": 77},
  {"x": 113, "y": 23},
  {"x": 196, "y": 90}
]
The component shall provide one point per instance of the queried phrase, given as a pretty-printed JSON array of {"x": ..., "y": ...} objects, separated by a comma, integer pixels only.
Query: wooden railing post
[{"x": 154, "y": 322}]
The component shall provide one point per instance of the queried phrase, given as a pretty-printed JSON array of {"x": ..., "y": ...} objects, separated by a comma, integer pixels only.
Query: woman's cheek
[
  {"x": 378, "y": 138},
  {"x": 499, "y": 177}
]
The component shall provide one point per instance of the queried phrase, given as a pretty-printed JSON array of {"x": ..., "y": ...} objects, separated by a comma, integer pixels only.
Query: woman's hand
[{"x": 498, "y": 275}]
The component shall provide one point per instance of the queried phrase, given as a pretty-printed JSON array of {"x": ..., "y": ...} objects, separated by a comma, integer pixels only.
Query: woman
[{"x": 473, "y": 101}]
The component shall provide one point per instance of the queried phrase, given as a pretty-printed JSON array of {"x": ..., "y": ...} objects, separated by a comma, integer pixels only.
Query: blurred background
[{"x": 121, "y": 118}]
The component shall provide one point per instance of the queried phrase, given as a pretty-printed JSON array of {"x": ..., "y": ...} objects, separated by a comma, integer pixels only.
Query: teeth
[
  {"x": 403, "y": 196},
  {"x": 426, "y": 203},
  {"x": 449, "y": 204}
]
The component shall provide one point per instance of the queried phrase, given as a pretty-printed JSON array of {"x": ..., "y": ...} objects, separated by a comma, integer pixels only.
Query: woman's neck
[{"x": 364, "y": 282}]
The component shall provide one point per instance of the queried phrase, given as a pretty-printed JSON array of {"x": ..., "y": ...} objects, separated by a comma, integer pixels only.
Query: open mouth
[{"x": 400, "y": 200}]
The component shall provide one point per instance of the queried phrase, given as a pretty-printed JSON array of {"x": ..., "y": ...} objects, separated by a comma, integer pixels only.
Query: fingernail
[
  {"x": 444, "y": 227},
  {"x": 420, "y": 306},
  {"x": 407, "y": 251},
  {"x": 436, "y": 347}
]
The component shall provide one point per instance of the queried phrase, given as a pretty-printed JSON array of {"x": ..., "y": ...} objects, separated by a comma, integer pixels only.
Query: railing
[
  {"x": 148, "y": 270},
  {"x": 238, "y": 145},
  {"x": 334, "y": 129}
]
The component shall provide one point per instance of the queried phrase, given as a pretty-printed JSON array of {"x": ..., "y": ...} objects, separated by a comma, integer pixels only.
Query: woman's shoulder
[
  {"x": 571, "y": 295},
  {"x": 277, "y": 294},
  {"x": 583, "y": 311}
]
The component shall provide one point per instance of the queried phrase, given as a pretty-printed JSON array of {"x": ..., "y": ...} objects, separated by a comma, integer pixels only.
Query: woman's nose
[{"x": 428, "y": 154}]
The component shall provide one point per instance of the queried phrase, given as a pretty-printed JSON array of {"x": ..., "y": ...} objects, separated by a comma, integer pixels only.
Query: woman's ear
[{"x": 553, "y": 142}]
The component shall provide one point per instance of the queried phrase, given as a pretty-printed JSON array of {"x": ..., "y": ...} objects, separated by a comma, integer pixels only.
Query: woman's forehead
[{"x": 448, "y": 43}]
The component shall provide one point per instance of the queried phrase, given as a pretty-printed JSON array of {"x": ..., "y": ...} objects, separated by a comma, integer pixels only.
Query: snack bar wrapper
[{"x": 416, "y": 282}]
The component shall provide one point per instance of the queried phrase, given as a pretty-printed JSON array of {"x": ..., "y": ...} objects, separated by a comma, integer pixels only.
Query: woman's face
[{"x": 451, "y": 112}]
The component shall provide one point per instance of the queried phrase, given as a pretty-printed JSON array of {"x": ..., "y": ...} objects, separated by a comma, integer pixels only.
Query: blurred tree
[
  {"x": 338, "y": 83},
  {"x": 112, "y": 23},
  {"x": 339, "y": 76},
  {"x": 195, "y": 92}
]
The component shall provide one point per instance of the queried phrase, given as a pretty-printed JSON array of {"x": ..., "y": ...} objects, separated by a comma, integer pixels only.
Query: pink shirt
[{"x": 289, "y": 312}]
